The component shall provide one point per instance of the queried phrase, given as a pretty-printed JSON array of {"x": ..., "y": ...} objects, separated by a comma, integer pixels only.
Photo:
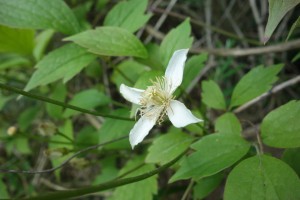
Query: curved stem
[
  {"x": 108, "y": 185},
  {"x": 58, "y": 103}
]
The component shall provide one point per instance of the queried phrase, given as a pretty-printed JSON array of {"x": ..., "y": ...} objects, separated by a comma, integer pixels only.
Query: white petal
[
  {"x": 140, "y": 130},
  {"x": 174, "y": 71},
  {"x": 179, "y": 115},
  {"x": 131, "y": 94}
]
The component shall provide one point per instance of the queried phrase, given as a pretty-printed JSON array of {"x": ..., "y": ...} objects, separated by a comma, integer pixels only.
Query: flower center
[{"x": 156, "y": 99}]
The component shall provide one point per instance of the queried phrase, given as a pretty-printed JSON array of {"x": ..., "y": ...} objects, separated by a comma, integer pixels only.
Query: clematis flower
[{"x": 157, "y": 101}]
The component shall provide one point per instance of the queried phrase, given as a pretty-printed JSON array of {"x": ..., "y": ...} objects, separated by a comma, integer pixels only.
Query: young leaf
[
  {"x": 228, "y": 123},
  {"x": 144, "y": 189},
  {"x": 178, "y": 38},
  {"x": 128, "y": 15},
  {"x": 192, "y": 69},
  {"x": 87, "y": 99},
  {"x": 281, "y": 127},
  {"x": 167, "y": 147},
  {"x": 110, "y": 41},
  {"x": 254, "y": 83},
  {"x": 277, "y": 10},
  {"x": 38, "y": 14},
  {"x": 262, "y": 177},
  {"x": 214, "y": 153},
  {"x": 15, "y": 40},
  {"x": 212, "y": 95},
  {"x": 58, "y": 63}
]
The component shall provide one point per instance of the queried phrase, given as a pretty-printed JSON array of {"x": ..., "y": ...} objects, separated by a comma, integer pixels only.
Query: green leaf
[
  {"x": 228, "y": 123},
  {"x": 59, "y": 93},
  {"x": 214, "y": 153},
  {"x": 262, "y": 177},
  {"x": 3, "y": 189},
  {"x": 113, "y": 128},
  {"x": 58, "y": 64},
  {"x": 167, "y": 147},
  {"x": 295, "y": 25},
  {"x": 128, "y": 15},
  {"x": 4, "y": 100},
  {"x": 192, "y": 69},
  {"x": 41, "y": 42},
  {"x": 153, "y": 59},
  {"x": 110, "y": 41},
  {"x": 26, "y": 118},
  {"x": 38, "y": 14},
  {"x": 13, "y": 61},
  {"x": 15, "y": 40},
  {"x": 108, "y": 170},
  {"x": 277, "y": 10},
  {"x": 144, "y": 189},
  {"x": 281, "y": 127},
  {"x": 292, "y": 158},
  {"x": 178, "y": 38},
  {"x": 254, "y": 83},
  {"x": 127, "y": 72},
  {"x": 212, "y": 95},
  {"x": 86, "y": 137},
  {"x": 87, "y": 99},
  {"x": 205, "y": 186}
]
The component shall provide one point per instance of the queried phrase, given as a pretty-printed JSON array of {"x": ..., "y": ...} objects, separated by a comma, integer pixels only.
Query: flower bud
[
  {"x": 12, "y": 130},
  {"x": 46, "y": 128}
]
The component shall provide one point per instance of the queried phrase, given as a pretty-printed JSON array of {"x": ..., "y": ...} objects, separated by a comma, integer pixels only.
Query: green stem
[
  {"x": 58, "y": 103},
  {"x": 108, "y": 185}
]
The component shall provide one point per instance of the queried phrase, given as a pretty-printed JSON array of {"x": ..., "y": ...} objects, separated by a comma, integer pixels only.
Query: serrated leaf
[
  {"x": 167, "y": 147},
  {"x": 110, "y": 41},
  {"x": 58, "y": 63},
  {"x": 212, "y": 95},
  {"x": 13, "y": 40},
  {"x": 214, "y": 153},
  {"x": 128, "y": 15},
  {"x": 87, "y": 99},
  {"x": 192, "y": 69},
  {"x": 38, "y": 14},
  {"x": 127, "y": 72},
  {"x": 178, "y": 38},
  {"x": 292, "y": 158},
  {"x": 254, "y": 83},
  {"x": 281, "y": 127},
  {"x": 277, "y": 10},
  {"x": 262, "y": 177},
  {"x": 144, "y": 189},
  {"x": 114, "y": 128},
  {"x": 228, "y": 123}
]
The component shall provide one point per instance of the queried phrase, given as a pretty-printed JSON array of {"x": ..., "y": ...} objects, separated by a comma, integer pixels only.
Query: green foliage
[
  {"x": 110, "y": 41},
  {"x": 12, "y": 61},
  {"x": 214, "y": 153},
  {"x": 139, "y": 190},
  {"x": 59, "y": 93},
  {"x": 254, "y": 83},
  {"x": 167, "y": 147},
  {"x": 228, "y": 123},
  {"x": 87, "y": 99},
  {"x": 113, "y": 128},
  {"x": 127, "y": 72},
  {"x": 128, "y": 15},
  {"x": 205, "y": 186},
  {"x": 212, "y": 95},
  {"x": 295, "y": 25},
  {"x": 3, "y": 190},
  {"x": 38, "y": 14},
  {"x": 178, "y": 38},
  {"x": 262, "y": 177},
  {"x": 13, "y": 40},
  {"x": 62, "y": 63},
  {"x": 292, "y": 158},
  {"x": 41, "y": 42},
  {"x": 277, "y": 10},
  {"x": 281, "y": 127}
]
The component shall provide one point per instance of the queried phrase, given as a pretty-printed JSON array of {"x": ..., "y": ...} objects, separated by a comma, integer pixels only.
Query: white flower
[{"x": 157, "y": 100}]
